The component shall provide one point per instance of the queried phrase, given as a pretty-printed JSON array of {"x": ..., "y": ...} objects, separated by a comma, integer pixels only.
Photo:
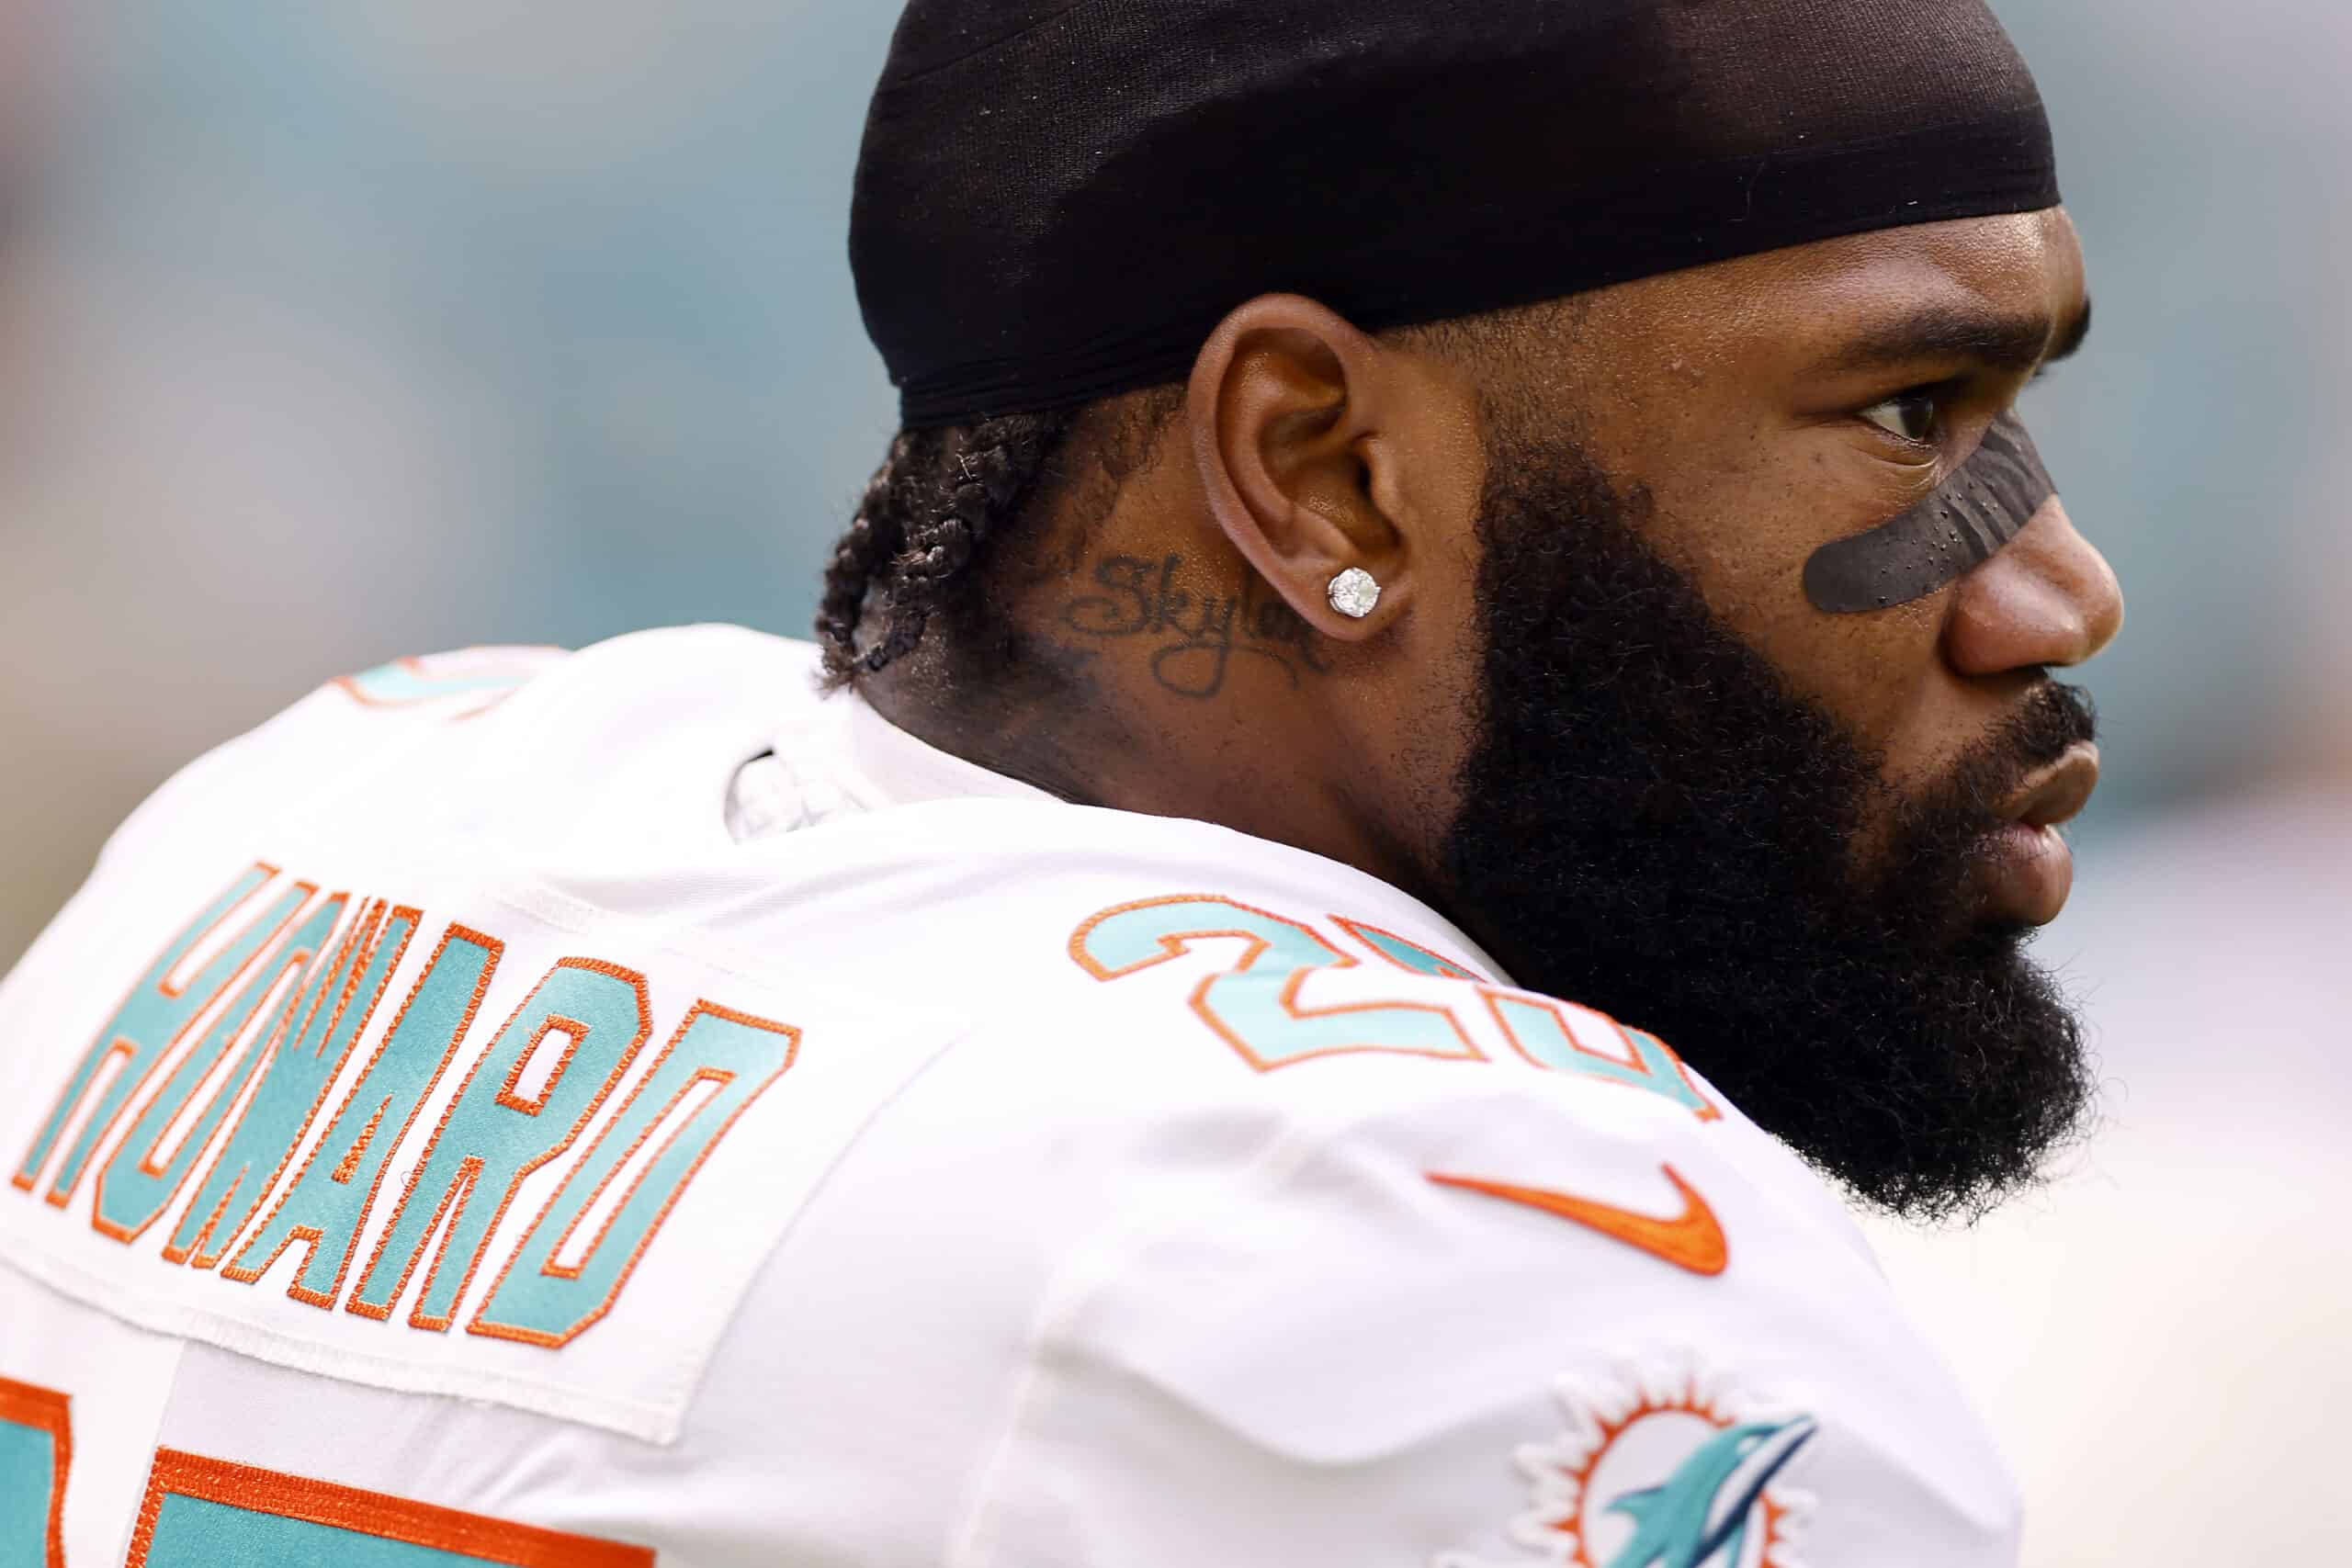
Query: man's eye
[{"x": 1911, "y": 415}]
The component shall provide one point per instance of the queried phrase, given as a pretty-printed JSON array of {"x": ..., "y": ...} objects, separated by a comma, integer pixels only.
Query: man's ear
[{"x": 1290, "y": 410}]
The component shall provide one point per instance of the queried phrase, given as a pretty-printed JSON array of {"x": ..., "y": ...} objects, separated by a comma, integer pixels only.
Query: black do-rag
[{"x": 1059, "y": 202}]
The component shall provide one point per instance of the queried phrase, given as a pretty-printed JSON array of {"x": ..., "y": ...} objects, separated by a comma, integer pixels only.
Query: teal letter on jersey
[
  {"x": 335, "y": 1009},
  {"x": 331, "y": 1195},
  {"x": 133, "y": 1188},
  {"x": 540, "y": 1300},
  {"x": 150, "y": 1020},
  {"x": 492, "y": 1137}
]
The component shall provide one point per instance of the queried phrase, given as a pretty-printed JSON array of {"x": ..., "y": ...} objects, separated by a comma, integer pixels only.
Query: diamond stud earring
[{"x": 1355, "y": 593}]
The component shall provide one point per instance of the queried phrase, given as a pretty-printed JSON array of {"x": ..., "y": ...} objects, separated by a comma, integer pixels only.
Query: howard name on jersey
[{"x": 442, "y": 1131}]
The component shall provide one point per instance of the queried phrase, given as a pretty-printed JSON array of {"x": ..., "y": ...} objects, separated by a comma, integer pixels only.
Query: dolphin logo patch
[
  {"x": 1698, "y": 1515},
  {"x": 1665, "y": 1463}
]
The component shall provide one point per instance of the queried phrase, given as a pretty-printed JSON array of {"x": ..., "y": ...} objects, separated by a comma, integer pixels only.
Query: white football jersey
[{"x": 620, "y": 1108}]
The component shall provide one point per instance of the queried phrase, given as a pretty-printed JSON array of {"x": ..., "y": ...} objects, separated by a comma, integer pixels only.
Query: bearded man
[{"x": 1419, "y": 534}]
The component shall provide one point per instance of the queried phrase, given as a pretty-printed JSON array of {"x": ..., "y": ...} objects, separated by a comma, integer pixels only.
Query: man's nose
[{"x": 2049, "y": 598}]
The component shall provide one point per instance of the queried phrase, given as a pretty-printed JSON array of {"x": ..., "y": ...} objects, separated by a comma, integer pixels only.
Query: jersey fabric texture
[{"x": 622, "y": 1107}]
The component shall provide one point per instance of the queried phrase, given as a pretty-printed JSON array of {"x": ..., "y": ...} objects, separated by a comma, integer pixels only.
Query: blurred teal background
[{"x": 331, "y": 334}]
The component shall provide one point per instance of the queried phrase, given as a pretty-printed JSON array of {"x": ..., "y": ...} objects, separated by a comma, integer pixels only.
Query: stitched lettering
[
  {"x": 293, "y": 1088},
  {"x": 1255, "y": 1006},
  {"x": 1571, "y": 1039},
  {"x": 152, "y": 1019},
  {"x": 260, "y": 1004},
  {"x": 134, "y": 1187},
  {"x": 634, "y": 1175},
  {"x": 489, "y": 1139},
  {"x": 328, "y": 1202}
]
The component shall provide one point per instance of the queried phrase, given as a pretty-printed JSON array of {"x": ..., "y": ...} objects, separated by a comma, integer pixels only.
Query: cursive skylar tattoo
[{"x": 1199, "y": 635}]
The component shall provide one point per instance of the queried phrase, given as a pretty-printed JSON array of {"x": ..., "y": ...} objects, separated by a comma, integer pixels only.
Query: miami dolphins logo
[
  {"x": 1702, "y": 1513},
  {"x": 1665, "y": 1467}
]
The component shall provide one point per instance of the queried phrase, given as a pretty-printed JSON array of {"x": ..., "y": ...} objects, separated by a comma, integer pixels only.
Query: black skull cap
[{"x": 1058, "y": 202}]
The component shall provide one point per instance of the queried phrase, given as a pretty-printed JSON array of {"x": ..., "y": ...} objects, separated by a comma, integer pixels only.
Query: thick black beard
[{"x": 1653, "y": 824}]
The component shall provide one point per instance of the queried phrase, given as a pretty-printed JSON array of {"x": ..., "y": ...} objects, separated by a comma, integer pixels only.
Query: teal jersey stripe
[
  {"x": 191, "y": 1532},
  {"x": 28, "y": 1471}
]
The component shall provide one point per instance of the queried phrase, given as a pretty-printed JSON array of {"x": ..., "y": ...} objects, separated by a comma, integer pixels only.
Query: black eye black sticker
[{"x": 1985, "y": 503}]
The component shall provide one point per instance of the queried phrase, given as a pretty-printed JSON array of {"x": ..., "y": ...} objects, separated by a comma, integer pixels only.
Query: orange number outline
[
  {"x": 497, "y": 665},
  {"x": 1496, "y": 995},
  {"x": 1177, "y": 944},
  {"x": 1448, "y": 968},
  {"x": 386, "y": 1518}
]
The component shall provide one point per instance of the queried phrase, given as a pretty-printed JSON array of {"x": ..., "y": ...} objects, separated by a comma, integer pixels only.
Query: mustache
[
  {"x": 1939, "y": 833},
  {"x": 2052, "y": 720},
  {"x": 2056, "y": 719}
]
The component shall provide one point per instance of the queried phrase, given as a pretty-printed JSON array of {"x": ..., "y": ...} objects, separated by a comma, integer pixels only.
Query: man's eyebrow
[{"x": 1949, "y": 332}]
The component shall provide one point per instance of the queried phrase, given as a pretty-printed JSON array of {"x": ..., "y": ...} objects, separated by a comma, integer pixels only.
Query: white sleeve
[
  {"x": 1344, "y": 1360},
  {"x": 334, "y": 732},
  {"x": 300, "y": 754}
]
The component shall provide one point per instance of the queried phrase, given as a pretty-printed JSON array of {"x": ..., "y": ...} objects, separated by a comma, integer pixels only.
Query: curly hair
[
  {"x": 938, "y": 499},
  {"x": 938, "y": 510},
  {"x": 944, "y": 496}
]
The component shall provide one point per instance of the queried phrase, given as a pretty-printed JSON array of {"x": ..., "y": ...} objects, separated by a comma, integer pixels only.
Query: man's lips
[
  {"x": 2031, "y": 871},
  {"x": 2059, "y": 792}
]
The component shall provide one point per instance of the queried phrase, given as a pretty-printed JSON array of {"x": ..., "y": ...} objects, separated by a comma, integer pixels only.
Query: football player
[{"x": 1440, "y": 727}]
